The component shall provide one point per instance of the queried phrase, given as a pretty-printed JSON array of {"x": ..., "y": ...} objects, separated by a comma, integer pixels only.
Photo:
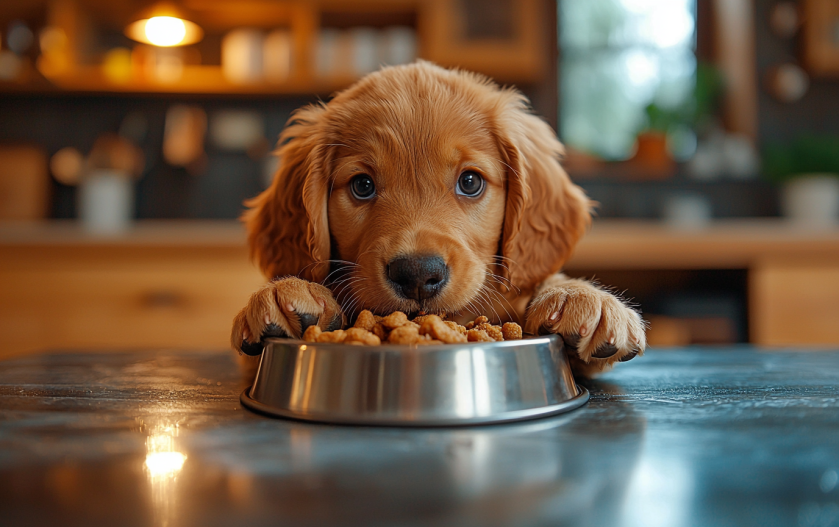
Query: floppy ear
[
  {"x": 546, "y": 214},
  {"x": 288, "y": 227}
]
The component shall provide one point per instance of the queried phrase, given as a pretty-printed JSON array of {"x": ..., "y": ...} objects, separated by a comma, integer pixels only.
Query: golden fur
[{"x": 414, "y": 129}]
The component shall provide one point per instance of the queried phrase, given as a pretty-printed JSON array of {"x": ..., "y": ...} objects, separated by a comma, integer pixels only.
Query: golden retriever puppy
[{"x": 425, "y": 189}]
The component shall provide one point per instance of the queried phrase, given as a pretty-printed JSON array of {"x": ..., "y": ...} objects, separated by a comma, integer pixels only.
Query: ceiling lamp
[{"x": 164, "y": 25}]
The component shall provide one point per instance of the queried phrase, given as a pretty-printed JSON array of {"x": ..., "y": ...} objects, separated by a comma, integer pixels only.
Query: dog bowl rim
[
  {"x": 573, "y": 403},
  {"x": 425, "y": 348}
]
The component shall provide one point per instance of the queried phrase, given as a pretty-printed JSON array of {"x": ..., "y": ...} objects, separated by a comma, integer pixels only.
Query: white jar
[
  {"x": 812, "y": 200},
  {"x": 241, "y": 56},
  {"x": 687, "y": 211},
  {"x": 106, "y": 201}
]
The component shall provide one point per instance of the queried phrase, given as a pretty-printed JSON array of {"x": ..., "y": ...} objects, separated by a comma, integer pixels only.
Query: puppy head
[{"x": 418, "y": 188}]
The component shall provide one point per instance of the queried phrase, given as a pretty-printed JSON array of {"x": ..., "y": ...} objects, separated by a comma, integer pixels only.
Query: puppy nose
[{"x": 418, "y": 277}]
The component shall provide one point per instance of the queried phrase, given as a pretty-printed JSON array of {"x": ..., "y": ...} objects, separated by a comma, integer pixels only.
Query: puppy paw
[
  {"x": 597, "y": 328},
  {"x": 284, "y": 308}
]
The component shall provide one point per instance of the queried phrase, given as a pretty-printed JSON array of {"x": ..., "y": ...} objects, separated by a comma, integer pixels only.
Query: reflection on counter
[
  {"x": 660, "y": 492},
  {"x": 163, "y": 464}
]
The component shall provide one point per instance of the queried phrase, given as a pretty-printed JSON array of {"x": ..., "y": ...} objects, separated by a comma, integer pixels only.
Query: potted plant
[
  {"x": 662, "y": 133},
  {"x": 651, "y": 152},
  {"x": 808, "y": 171}
]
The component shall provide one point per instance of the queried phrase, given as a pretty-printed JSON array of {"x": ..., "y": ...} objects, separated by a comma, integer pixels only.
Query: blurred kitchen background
[{"x": 131, "y": 132}]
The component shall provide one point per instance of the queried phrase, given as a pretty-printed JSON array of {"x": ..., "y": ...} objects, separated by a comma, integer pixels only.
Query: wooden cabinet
[
  {"x": 793, "y": 272},
  {"x": 795, "y": 301},
  {"x": 180, "y": 289}
]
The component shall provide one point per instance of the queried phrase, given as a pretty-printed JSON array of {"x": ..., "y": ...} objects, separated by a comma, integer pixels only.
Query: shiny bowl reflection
[{"x": 444, "y": 385}]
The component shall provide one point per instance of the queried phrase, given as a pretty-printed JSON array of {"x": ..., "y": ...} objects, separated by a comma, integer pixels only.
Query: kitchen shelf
[
  {"x": 440, "y": 28},
  {"x": 611, "y": 243},
  {"x": 196, "y": 79}
]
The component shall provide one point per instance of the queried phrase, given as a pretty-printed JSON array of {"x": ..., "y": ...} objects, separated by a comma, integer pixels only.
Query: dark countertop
[{"x": 722, "y": 437}]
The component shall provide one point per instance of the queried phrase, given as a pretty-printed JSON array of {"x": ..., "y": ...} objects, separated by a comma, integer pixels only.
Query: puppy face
[
  {"x": 418, "y": 188},
  {"x": 417, "y": 196}
]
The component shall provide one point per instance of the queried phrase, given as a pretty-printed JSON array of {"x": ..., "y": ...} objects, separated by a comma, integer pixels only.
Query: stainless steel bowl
[{"x": 443, "y": 385}]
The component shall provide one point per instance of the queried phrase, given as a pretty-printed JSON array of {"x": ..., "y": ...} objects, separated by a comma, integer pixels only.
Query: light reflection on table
[{"x": 163, "y": 464}]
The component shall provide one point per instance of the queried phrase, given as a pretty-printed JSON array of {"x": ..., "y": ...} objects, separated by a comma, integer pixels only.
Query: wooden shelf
[
  {"x": 439, "y": 25},
  {"x": 202, "y": 80},
  {"x": 725, "y": 244},
  {"x": 611, "y": 244},
  {"x": 144, "y": 233}
]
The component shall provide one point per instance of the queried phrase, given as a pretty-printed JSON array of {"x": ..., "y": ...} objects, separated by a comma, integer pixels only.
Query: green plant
[
  {"x": 696, "y": 112},
  {"x": 707, "y": 95},
  {"x": 660, "y": 119},
  {"x": 805, "y": 155}
]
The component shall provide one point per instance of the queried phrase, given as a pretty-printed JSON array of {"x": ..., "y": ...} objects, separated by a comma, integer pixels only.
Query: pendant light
[{"x": 164, "y": 25}]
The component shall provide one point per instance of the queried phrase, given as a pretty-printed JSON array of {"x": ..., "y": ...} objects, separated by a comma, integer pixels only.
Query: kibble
[{"x": 423, "y": 330}]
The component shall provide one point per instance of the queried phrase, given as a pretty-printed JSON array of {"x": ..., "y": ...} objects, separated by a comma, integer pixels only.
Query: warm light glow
[
  {"x": 164, "y": 463},
  {"x": 163, "y": 459},
  {"x": 165, "y": 30}
]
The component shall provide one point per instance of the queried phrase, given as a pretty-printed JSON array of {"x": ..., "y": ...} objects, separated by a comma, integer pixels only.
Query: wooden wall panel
[{"x": 734, "y": 24}]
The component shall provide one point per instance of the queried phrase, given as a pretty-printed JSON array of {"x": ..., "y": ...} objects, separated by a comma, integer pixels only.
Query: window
[{"x": 617, "y": 58}]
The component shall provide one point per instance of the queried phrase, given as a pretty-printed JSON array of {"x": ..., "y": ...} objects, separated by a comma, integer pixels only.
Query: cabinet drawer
[
  {"x": 795, "y": 303},
  {"x": 128, "y": 298}
]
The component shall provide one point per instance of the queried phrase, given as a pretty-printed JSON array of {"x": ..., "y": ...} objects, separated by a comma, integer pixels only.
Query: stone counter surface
[{"x": 722, "y": 437}]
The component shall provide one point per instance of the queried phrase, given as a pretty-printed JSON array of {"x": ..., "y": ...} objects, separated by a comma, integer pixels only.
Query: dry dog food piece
[
  {"x": 494, "y": 332},
  {"x": 511, "y": 331},
  {"x": 477, "y": 322},
  {"x": 395, "y": 320},
  {"x": 380, "y": 331},
  {"x": 422, "y": 317},
  {"x": 419, "y": 319},
  {"x": 361, "y": 336},
  {"x": 439, "y": 330},
  {"x": 312, "y": 333},
  {"x": 336, "y": 336},
  {"x": 478, "y": 335},
  {"x": 366, "y": 320},
  {"x": 455, "y": 326},
  {"x": 372, "y": 330},
  {"x": 406, "y": 334}
]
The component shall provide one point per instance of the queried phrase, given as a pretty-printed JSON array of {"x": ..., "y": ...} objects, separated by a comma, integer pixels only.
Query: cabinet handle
[{"x": 163, "y": 298}]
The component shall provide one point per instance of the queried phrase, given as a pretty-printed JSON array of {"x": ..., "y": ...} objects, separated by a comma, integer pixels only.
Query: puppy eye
[
  {"x": 362, "y": 187},
  {"x": 470, "y": 184}
]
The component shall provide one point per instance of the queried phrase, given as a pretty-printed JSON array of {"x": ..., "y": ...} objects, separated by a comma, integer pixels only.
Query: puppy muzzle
[{"x": 418, "y": 277}]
